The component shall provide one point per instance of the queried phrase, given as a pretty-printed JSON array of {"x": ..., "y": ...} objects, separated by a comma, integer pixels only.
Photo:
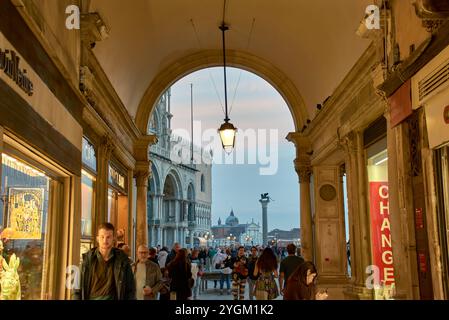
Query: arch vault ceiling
[{"x": 312, "y": 42}]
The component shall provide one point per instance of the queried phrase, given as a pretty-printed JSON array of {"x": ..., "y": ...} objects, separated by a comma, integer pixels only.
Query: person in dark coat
[
  {"x": 172, "y": 253},
  {"x": 288, "y": 266},
  {"x": 180, "y": 272},
  {"x": 106, "y": 272},
  {"x": 301, "y": 285}
]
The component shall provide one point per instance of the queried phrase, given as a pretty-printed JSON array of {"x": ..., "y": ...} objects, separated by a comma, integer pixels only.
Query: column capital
[
  {"x": 107, "y": 145},
  {"x": 142, "y": 145},
  {"x": 142, "y": 175},
  {"x": 349, "y": 142},
  {"x": 304, "y": 171}
]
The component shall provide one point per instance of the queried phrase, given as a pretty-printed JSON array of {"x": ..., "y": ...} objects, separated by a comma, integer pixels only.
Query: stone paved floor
[{"x": 214, "y": 294}]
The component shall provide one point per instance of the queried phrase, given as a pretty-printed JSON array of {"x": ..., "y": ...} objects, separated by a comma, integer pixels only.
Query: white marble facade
[{"x": 179, "y": 194}]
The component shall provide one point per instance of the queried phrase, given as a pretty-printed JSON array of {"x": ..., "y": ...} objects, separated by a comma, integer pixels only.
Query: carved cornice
[
  {"x": 93, "y": 28},
  {"x": 302, "y": 144},
  {"x": 142, "y": 173},
  {"x": 432, "y": 12},
  {"x": 107, "y": 146},
  {"x": 349, "y": 143},
  {"x": 142, "y": 145},
  {"x": 87, "y": 84},
  {"x": 432, "y": 26}
]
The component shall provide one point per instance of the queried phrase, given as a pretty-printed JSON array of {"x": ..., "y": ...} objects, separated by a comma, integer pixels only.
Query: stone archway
[
  {"x": 171, "y": 207},
  {"x": 214, "y": 58},
  {"x": 267, "y": 71}
]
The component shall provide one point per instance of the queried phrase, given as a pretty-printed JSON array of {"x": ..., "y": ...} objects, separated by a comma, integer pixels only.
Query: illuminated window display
[
  {"x": 87, "y": 205},
  {"x": 88, "y": 180},
  {"x": 25, "y": 194},
  {"x": 118, "y": 199},
  {"x": 382, "y": 253}
]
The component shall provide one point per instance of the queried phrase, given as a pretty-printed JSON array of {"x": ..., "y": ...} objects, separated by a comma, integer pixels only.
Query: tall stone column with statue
[{"x": 264, "y": 201}]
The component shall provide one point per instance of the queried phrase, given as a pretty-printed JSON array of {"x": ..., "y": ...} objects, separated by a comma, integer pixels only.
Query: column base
[
  {"x": 335, "y": 286},
  {"x": 355, "y": 292}
]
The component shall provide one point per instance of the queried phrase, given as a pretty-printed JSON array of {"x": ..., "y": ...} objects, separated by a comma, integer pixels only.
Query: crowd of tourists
[{"x": 108, "y": 273}]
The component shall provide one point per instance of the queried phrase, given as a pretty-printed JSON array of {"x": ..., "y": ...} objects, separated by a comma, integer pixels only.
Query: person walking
[
  {"x": 266, "y": 272},
  {"x": 106, "y": 273},
  {"x": 196, "y": 267},
  {"x": 301, "y": 285},
  {"x": 226, "y": 271},
  {"x": 180, "y": 273},
  {"x": 152, "y": 252},
  {"x": 288, "y": 266},
  {"x": 173, "y": 252},
  {"x": 251, "y": 277},
  {"x": 162, "y": 257},
  {"x": 147, "y": 274},
  {"x": 239, "y": 274}
]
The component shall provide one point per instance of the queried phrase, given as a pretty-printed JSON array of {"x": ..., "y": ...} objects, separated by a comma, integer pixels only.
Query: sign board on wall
[
  {"x": 381, "y": 231},
  {"x": 401, "y": 104}
]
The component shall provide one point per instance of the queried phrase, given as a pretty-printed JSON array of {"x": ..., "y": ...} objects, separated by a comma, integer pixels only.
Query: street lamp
[{"x": 227, "y": 130}]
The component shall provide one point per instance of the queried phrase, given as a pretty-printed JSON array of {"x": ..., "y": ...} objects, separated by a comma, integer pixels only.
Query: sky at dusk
[{"x": 263, "y": 159}]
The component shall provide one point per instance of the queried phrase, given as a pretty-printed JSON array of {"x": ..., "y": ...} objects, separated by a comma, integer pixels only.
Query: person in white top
[
  {"x": 147, "y": 275},
  {"x": 162, "y": 257}
]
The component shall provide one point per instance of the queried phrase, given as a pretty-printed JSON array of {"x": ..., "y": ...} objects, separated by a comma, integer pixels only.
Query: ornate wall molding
[
  {"x": 304, "y": 172},
  {"x": 433, "y": 13},
  {"x": 93, "y": 28},
  {"x": 349, "y": 143}
]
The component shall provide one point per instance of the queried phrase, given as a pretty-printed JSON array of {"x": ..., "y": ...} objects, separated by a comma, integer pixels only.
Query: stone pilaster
[
  {"x": 142, "y": 174},
  {"x": 104, "y": 153},
  {"x": 359, "y": 222},
  {"x": 304, "y": 172}
]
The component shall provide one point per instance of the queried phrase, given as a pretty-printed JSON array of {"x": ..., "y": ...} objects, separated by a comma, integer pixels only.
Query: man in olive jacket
[
  {"x": 106, "y": 273},
  {"x": 147, "y": 274}
]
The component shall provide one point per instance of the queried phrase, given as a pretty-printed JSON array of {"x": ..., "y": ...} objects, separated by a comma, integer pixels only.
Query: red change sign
[{"x": 381, "y": 231}]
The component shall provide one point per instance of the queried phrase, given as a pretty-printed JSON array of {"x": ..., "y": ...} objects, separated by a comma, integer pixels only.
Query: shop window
[
  {"x": 24, "y": 209},
  {"x": 382, "y": 252},
  {"x": 118, "y": 211},
  {"x": 87, "y": 203}
]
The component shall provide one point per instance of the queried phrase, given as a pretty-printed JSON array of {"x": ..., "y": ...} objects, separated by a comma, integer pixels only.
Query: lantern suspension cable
[
  {"x": 227, "y": 130},
  {"x": 223, "y": 29}
]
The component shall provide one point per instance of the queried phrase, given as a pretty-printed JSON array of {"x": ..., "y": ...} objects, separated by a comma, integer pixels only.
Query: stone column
[
  {"x": 184, "y": 235},
  {"x": 264, "y": 202},
  {"x": 160, "y": 208},
  {"x": 303, "y": 169},
  {"x": 142, "y": 174},
  {"x": 307, "y": 245},
  {"x": 104, "y": 153},
  {"x": 191, "y": 238},
  {"x": 359, "y": 221},
  {"x": 156, "y": 235},
  {"x": 401, "y": 209}
]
